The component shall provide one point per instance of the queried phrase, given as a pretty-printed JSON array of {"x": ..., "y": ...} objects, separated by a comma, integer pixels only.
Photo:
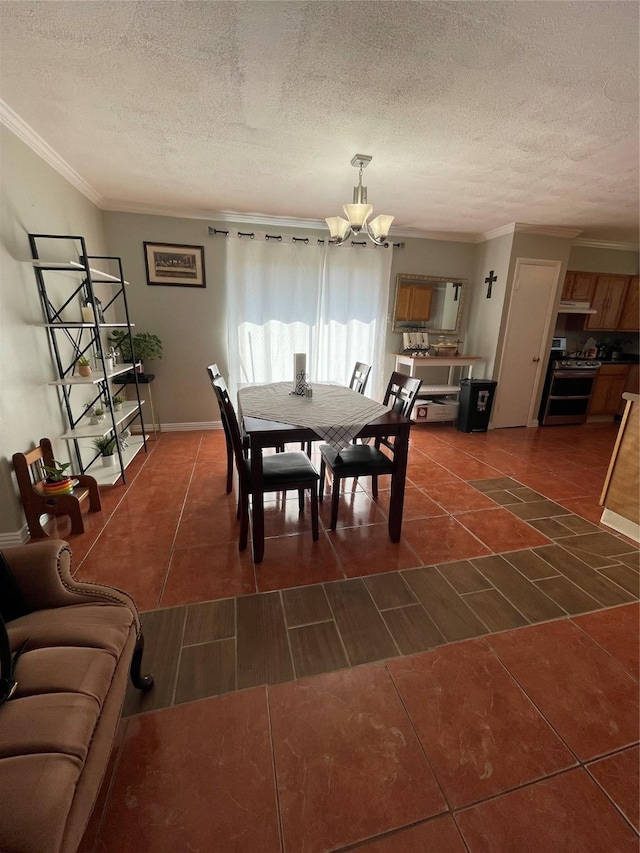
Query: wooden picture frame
[{"x": 174, "y": 265}]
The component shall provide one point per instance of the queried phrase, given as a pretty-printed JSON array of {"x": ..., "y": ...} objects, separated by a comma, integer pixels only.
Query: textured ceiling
[{"x": 477, "y": 114}]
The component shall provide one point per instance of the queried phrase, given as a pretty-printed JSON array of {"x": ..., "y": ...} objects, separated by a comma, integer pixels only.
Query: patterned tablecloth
[{"x": 335, "y": 413}]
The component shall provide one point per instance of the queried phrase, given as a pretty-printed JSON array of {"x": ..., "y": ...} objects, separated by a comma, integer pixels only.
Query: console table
[{"x": 422, "y": 361}]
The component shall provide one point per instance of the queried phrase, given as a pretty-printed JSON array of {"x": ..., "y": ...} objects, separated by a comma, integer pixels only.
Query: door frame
[{"x": 532, "y": 416}]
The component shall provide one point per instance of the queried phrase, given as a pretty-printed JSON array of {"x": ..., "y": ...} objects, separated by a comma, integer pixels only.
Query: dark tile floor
[{"x": 471, "y": 688}]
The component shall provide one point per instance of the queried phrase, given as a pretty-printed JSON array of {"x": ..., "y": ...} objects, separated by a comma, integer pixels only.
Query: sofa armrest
[{"x": 42, "y": 571}]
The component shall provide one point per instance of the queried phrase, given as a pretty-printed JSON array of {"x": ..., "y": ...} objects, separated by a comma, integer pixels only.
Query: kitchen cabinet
[
  {"x": 609, "y": 386},
  {"x": 608, "y": 300},
  {"x": 414, "y": 303},
  {"x": 632, "y": 386},
  {"x": 630, "y": 316},
  {"x": 578, "y": 286}
]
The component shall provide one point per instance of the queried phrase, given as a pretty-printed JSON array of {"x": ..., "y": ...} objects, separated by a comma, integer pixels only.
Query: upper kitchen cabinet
[
  {"x": 630, "y": 317},
  {"x": 578, "y": 286},
  {"x": 608, "y": 300}
]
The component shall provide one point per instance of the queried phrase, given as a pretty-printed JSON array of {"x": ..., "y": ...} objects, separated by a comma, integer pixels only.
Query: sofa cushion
[
  {"x": 41, "y": 789},
  {"x": 65, "y": 669},
  {"x": 52, "y": 722},
  {"x": 95, "y": 626}
]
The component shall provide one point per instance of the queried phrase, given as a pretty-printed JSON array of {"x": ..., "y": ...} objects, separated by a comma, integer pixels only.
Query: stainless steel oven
[{"x": 567, "y": 391}]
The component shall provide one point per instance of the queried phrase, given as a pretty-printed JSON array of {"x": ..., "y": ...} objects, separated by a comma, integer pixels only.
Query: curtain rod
[{"x": 213, "y": 232}]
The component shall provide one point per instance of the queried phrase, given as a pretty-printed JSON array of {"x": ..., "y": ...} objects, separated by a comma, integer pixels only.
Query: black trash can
[{"x": 476, "y": 399}]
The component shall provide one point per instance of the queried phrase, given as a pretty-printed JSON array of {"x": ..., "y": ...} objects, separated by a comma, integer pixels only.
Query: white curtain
[{"x": 327, "y": 301}]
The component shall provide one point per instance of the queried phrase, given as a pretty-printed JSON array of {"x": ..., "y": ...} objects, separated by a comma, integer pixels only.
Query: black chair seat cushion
[
  {"x": 286, "y": 468},
  {"x": 358, "y": 460}
]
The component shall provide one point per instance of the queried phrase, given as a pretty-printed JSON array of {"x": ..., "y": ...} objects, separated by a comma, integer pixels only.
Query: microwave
[{"x": 558, "y": 343}]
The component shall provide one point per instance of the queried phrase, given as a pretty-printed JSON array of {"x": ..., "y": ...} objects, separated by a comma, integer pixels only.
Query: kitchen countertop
[{"x": 628, "y": 358}]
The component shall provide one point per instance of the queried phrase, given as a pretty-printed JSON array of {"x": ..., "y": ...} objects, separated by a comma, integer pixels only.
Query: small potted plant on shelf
[
  {"x": 84, "y": 368},
  {"x": 56, "y": 482},
  {"x": 98, "y": 413},
  {"x": 106, "y": 444},
  {"x": 117, "y": 403},
  {"x": 146, "y": 347}
]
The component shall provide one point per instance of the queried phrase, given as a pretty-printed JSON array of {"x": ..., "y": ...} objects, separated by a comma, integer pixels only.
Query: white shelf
[
  {"x": 95, "y": 378},
  {"x": 437, "y": 390},
  {"x": 107, "y": 476},
  {"x": 80, "y": 325},
  {"x": 75, "y": 266},
  {"x": 104, "y": 427}
]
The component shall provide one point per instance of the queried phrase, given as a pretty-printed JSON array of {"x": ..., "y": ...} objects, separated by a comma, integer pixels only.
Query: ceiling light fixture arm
[{"x": 359, "y": 212}]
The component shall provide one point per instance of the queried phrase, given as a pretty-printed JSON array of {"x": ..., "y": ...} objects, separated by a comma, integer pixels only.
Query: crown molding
[
  {"x": 10, "y": 119},
  {"x": 495, "y": 232},
  {"x": 547, "y": 230},
  {"x": 606, "y": 244}
]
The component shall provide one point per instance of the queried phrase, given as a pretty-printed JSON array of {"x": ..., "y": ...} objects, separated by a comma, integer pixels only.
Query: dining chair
[
  {"x": 214, "y": 373},
  {"x": 367, "y": 460},
  {"x": 358, "y": 383},
  {"x": 281, "y": 471}
]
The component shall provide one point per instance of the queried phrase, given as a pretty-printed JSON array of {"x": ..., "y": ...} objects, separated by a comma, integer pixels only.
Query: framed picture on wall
[{"x": 175, "y": 265}]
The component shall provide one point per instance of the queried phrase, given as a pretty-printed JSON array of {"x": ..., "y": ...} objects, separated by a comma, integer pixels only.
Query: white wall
[{"x": 36, "y": 199}]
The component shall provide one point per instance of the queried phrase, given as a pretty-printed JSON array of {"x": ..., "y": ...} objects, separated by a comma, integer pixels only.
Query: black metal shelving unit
[{"x": 71, "y": 338}]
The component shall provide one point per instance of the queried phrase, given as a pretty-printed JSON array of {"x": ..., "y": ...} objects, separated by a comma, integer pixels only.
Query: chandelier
[{"x": 359, "y": 212}]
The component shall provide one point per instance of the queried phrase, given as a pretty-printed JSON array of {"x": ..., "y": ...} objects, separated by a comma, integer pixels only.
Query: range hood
[{"x": 575, "y": 308}]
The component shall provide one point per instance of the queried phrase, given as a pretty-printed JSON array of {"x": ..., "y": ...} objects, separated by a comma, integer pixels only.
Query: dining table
[{"x": 272, "y": 416}]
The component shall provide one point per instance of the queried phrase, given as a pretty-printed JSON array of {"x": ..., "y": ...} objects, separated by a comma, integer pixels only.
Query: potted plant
[
  {"x": 84, "y": 368},
  {"x": 145, "y": 346},
  {"x": 106, "y": 444},
  {"x": 117, "y": 402},
  {"x": 56, "y": 481},
  {"x": 98, "y": 413}
]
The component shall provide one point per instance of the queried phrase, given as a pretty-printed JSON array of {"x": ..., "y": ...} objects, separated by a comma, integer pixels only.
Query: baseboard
[
  {"x": 202, "y": 425},
  {"x": 18, "y": 537},
  {"x": 628, "y": 528}
]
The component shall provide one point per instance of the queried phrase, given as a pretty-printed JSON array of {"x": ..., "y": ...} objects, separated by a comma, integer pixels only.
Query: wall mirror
[{"x": 426, "y": 303}]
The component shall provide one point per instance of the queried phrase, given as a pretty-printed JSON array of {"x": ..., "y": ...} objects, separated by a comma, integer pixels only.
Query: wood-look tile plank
[
  {"x": 602, "y": 543},
  {"x": 163, "y": 631},
  {"x": 503, "y": 497},
  {"x": 595, "y": 561},
  {"x": 530, "y": 565},
  {"x": 389, "y": 590},
  {"x": 570, "y": 597},
  {"x": 495, "y": 485},
  {"x": 550, "y": 528},
  {"x": 305, "y": 604},
  {"x": 454, "y": 619},
  {"x": 624, "y": 577},
  {"x": 209, "y": 621},
  {"x": 412, "y": 629},
  {"x": 207, "y": 669},
  {"x": 577, "y": 524},
  {"x": 537, "y": 509},
  {"x": 526, "y": 597},
  {"x": 524, "y": 493},
  {"x": 359, "y": 622},
  {"x": 463, "y": 577},
  {"x": 262, "y": 644},
  {"x": 496, "y": 612},
  {"x": 584, "y": 576},
  {"x": 316, "y": 648},
  {"x": 632, "y": 560}
]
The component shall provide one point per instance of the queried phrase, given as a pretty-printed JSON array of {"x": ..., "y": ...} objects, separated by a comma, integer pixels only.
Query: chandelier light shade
[{"x": 359, "y": 212}]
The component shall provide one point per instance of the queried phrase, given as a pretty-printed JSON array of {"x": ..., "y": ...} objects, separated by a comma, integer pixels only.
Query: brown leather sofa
[{"x": 57, "y": 731}]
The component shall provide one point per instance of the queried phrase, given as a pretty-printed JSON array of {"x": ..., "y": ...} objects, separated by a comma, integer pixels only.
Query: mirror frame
[{"x": 403, "y": 278}]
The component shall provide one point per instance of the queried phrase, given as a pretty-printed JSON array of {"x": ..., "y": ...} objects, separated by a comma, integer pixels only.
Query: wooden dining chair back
[
  {"x": 281, "y": 471},
  {"x": 366, "y": 460},
  {"x": 360, "y": 377},
  {"x": 31, "y": 476},
  {"x": 214, "y": 373}
]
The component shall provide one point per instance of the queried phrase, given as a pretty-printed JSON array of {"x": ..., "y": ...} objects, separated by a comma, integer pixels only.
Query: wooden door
[
  {"x": 524, "y": 357},
  {"x": 607, "y": 300},
  {"x": 630, "y": 317}
]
